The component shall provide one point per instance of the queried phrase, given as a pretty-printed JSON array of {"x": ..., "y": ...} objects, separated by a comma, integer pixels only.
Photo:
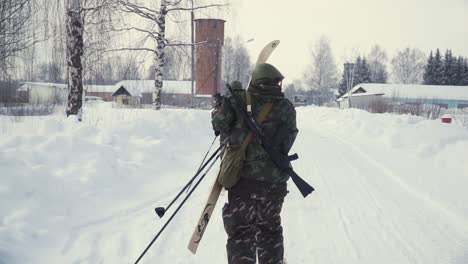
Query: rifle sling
[{"x": 259, "y": 120}]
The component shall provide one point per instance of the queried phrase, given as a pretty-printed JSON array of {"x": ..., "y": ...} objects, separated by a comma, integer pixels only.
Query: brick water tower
[{"x": 209, "y": 39}]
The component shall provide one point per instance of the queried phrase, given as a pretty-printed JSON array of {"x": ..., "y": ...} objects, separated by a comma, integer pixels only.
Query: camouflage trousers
[{"x": 254, "y": 229}]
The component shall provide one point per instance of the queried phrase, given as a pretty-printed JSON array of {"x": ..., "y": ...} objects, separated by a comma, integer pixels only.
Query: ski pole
[
  {"x": 160, "y": 211},
  {"x": 178, "y": 208},
  {"x": 201, "y": 163}
]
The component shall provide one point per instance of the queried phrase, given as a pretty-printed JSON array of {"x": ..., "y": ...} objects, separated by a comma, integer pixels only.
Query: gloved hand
[{"x": 217, "y": 100}]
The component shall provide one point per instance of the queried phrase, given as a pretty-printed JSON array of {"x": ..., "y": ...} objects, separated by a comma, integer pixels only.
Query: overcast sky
[{"x": 351, "y": 26}]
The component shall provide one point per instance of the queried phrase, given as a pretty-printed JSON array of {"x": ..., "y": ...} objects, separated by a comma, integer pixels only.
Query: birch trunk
[
  {"x": 160, "y": 55},
  {"x": 75, "y": 51}
]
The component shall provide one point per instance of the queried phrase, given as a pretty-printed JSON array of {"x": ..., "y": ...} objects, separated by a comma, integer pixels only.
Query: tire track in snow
[
  {"x": 448, "y": 243},
  {"x": 392, "y": 229},
  {"x": 385, "y": 234},
  {"x": 454, "y": 218},
  {"x": 338, "y": 211},
  {"x": 320, "y": 175}
]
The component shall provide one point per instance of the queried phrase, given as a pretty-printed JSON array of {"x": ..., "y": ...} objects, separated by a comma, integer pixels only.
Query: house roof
[
  {"x": 25, "y": 86},
  {"x": 91, "y": 88},
  {"x": 410, "y": 91},
  {"x": 121, "y": 91},
  {"x": 138, "y": 87}
]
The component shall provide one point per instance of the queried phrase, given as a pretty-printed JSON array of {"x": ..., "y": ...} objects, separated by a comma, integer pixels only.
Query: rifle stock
[{"x": 302, "y": 185}]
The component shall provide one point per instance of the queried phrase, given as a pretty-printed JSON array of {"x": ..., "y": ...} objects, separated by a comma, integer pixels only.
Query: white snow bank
[
  {"x": 390, "y": 189},
  {"x": 427, "y": 153},
  {"x": 59, "y": 177}
]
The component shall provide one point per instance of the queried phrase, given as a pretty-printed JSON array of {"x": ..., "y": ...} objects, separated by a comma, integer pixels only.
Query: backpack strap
[{"x": 259, "y": 120}]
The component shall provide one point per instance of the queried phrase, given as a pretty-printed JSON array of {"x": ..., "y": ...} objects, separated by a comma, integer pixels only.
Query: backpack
[{"x": 234, "y": 155}]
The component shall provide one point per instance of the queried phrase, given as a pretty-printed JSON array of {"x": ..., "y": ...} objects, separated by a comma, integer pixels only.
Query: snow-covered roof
[
  {"x": 91, "y": 88},
  {"x": 359, "y": 95},
  {"x": 25, "y": 86},
  {"x": 411, "y": 91},
  {"x": 138, "y": 87}
]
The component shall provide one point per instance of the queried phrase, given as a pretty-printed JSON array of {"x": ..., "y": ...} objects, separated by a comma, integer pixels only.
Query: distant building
[
  {"x": 103, "y": 91},
  {"x": 312, "y": 97},
  {"x": 209, "y": 34},
  {"x": 43, "y": 93},
  {"x": 365, "y": 94},
  {"x": 299, "y": 100},
  {"x": 140, "y": 92}
]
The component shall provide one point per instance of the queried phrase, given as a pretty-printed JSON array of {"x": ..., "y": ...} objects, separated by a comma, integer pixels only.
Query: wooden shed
[
  {"x": 140, "y": 92},
  {"x": 123, "y": 97}
]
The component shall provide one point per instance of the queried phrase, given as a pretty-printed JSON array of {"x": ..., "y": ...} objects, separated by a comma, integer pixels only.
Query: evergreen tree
[
  {"x": 361, "y": 75},
  {"x": 357, "y": 71},
  {"x": 459, "y": 71},
  {"x": 464, "y": 76},
  {"x": 343, "y": 86},
  {"x": 429, "y": 71},
  {"x": 450, "y": 74},
  {"x": 365, "y": 75},
  {"x": 361, "y": 71},
  {"x": 438, "y": 71}
]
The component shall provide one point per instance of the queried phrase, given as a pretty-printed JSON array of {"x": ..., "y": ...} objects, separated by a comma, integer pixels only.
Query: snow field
[{"x": 389, "y": 189}]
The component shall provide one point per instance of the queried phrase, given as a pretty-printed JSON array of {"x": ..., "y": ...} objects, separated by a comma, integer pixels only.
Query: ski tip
[{"x": 274, "y": 43}]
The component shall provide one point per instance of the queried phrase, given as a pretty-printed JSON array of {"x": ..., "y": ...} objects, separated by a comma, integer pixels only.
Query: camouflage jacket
[{"x": 258, "y": 167}]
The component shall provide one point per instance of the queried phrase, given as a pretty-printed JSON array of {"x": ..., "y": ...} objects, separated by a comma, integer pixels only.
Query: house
[
  {"x": 366, "y": 94},
  {"x": 43, "y": 93},
  {"x": 103, "y": 91},
  {"x": 140, "y": 92}
]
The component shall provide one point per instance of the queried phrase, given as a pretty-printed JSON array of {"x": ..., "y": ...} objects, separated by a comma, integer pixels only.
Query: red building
[{"x": 209, "y": 36}]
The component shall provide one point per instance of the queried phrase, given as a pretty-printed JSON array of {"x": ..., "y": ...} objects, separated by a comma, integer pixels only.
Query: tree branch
[
  {"x": 131, "y": 49},
  {"x": 153, "y": 34},
  {"x": 195, "y": 8}
]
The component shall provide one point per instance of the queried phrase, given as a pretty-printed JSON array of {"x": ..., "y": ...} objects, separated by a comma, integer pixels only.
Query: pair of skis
[{"x": 216, "y": 190}]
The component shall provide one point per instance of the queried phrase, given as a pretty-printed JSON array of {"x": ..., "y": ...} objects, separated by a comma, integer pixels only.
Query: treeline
[
  {"x": 360, "y": 72},
  {"x": 406, "y": 66},
  {"x": 409, "y": 66},
  {"x": 321, "y": 74},
  {"x": 446, "y": 70}
]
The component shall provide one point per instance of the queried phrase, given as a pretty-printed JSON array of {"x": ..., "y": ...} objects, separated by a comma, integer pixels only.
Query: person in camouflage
[{"x": 252, "y": 215}]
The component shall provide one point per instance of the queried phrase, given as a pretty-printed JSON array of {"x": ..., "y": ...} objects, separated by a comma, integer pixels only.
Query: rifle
[{"x": 281, "y": 160}]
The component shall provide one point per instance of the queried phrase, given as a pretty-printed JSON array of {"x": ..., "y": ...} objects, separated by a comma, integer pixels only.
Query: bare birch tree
[
  {"x": 236, "y": 61},
  {"x": 154, "y": 29},
  {"x": 79, "y": 11},
  {"x": 176, "y": 65},
  {"x": 408, "y": 66},
  {"x": 16, "y": 30},
  {"x": 75, "y": 25},
  {"x": 322, "y": 73}
]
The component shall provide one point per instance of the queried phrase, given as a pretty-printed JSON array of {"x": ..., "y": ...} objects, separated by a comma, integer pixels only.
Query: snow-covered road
[
  {"x": 364, "y": 211},
  {"x": 389, "y": 189}
]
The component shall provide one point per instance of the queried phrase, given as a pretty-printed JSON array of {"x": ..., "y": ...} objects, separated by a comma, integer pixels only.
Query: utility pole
[
  {"x": 192, "y": 47},
  {"x": 349, "y": 69},
  {"x": 216, "y": 78}
]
